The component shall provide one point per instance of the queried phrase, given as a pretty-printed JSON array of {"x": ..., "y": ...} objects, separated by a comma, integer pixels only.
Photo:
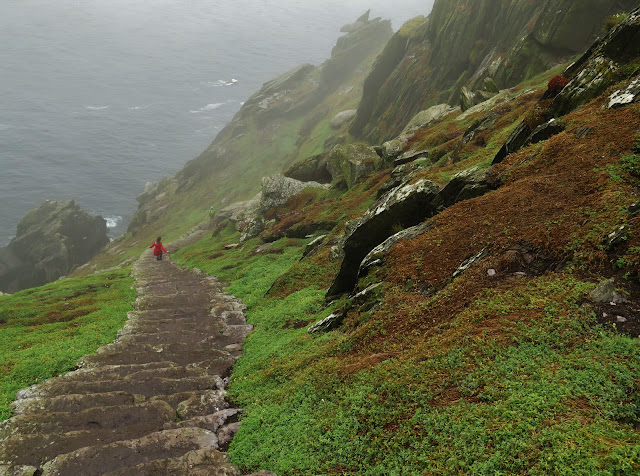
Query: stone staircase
[{"x": 151, "y": 403}]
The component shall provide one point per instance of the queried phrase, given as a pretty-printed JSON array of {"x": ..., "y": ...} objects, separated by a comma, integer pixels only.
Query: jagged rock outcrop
[
  {"x": 311, "y": 169},
  {"x": 404, "y": 206},
  {"x": 429, "y": 61},
  {"x": 277, "y": 189},
  {"x": 352, "y": 162},
  {"x": 600, "y": 67},
  {"x": 50, "y": 241}
]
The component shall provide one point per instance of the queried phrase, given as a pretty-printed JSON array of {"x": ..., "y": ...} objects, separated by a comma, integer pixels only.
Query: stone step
[
  {"x": 71, "y": 403},
  {"x": 195, "y": 402},
  {"x": 108, "y": 372},
  {"x": 204, "y": 462},
  {"x": 183, "y": 357},
  {"x": 107, "y": 417},
  {"x": 99, "y": 460},
  {"x": 212, "y": 422},
  {"x": 149, "y": 386},
  {"x": 34, "y": 450}
]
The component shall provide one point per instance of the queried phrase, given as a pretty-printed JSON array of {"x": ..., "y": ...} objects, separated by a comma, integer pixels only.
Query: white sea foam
[
  {"x": 113, "y": 221},
  {"x": 208, "y": 107},
  {"x": 97, "y": 108}
]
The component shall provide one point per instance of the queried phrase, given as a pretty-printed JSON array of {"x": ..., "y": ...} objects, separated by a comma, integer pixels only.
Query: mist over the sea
[{"x": 98, "y": 97}]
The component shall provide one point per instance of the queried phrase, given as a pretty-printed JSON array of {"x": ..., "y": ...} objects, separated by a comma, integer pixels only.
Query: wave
[
  {"x": 97, "y": 108},
  {"x": 113, "y": 221},
  {"x": 208, "y": 107},
  {"x": 220, "y": 82}
]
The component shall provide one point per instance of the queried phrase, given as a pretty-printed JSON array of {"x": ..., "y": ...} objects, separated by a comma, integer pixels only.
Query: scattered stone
[
  {"x": 278, "y": 189},
  {"x": 329, "y": 323},
  {"x": 616, "y": 237},
  {"x": 605, "y": 292},
  {"x": 466, "y": 264},
  {"x": 491, "y": 272},
  {"x": 546, "y": 131},
  {"x": 231, "y": 246},
  {"x": 336, "y": 253},
  {"x": 311, "y": 169},
  {"x": 313, "y": 245},
  {"x": 634, "y": 208},
  {"x": 621, "y": 319},
  {"x": 393, "y": 148},
  {"x": 583, "y": 132},
  {"x": 427, "y": 117},
  {"x": 342, "y": 118},
  {"x": 623, "y": 97},
  {"x": 352, "y": 162}
]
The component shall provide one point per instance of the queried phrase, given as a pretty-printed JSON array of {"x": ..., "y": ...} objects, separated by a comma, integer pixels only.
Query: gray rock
[
  {"x": 466, "y": 264},
  {"x": 634, "y": 208},
  {"x": 335, "y": 253},
  {"x": 342, "y": 118},
  {"x": 488, "y": 84},
  {"x": 616, "y": 237},
  {"x": 628, "y": 95},
  {"x": 404, "y": 206},
  {"x": 7, "y": 470},
  {"x": 227, "y": 432},
  {"x": 464, "y": 185},
  {"x": 313, "y": 245},
  {"x": 600, "y": 67},
  {"x": 374, "y": 257},
  {"x": 240, "y": 213},
  {"x": 352, "y": 162},
  {"x": 469, "y": 99},
  {"x": 329, "y": 323},
  {"x": 605, "y": 292},
  {"x": 516, "y": 140},
  {"x": 427, "y": 117},
  {"x": 278, "y": 189},
  {"x": 311, "y": 169},
  {"x": 50, "y": 241},
  {"x": 393, "y": 148},
  {"x": 263, "y": 473},
  {"x": 546, "y": 131}
]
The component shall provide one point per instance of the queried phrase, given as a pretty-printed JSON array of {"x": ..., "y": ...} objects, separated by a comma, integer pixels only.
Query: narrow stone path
[{"x": 151, "y": 403}]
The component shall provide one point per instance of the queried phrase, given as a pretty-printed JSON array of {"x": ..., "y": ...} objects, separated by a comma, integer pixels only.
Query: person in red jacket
[{"x": 158, "y": 248}]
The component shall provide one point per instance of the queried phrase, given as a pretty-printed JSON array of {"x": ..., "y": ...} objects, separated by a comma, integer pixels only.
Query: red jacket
[{"x": 158, "y": 248}]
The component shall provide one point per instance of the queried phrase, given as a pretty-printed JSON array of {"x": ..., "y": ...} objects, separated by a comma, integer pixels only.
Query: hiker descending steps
[{"x": 152, "y": 402}]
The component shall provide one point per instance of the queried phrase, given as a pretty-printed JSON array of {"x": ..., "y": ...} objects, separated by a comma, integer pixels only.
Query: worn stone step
[
  {"x": 148, "y": 386},
  {"x": 183, "y": 357},
  {"x": 99, "y": 460},
  {"x": 107, "y": 417},
  {"x": 195, "y": 402},
  {"x": 204, "y": 462},
  {"x": 35, "y": 450},
  {"x": 71, "y": 403},
  {"x": 212, "y": 422}
]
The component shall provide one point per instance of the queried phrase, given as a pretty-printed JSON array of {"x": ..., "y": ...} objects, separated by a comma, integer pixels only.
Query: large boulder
[
  {"x": 427, "y": 117},
  {"x": 464, "y": 185},
  {"x": 311, "y": 169},
  {"x": 403, "y": 207},
  {"x": 278, "y": 189},
  {"x": 342, "y": 118},
  {"x": 601, "y": 66},
  {"x": 50, "y": 241},
  {"x": 352, "y": 162}
]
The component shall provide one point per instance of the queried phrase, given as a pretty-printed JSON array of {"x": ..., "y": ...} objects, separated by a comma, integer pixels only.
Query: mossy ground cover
[
  {"x": 502, "y": 374},
  {"x": 45, "y": 330}
]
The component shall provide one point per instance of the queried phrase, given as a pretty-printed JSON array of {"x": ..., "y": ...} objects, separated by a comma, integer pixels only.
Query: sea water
[{"x": 98, "y": 97}]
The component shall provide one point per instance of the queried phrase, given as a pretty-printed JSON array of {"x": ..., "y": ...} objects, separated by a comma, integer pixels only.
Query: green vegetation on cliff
[{"x": 45, "y": 330}]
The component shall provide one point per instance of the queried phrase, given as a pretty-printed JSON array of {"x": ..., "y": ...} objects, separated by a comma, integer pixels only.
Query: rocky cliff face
[
  {"x": 464, "y": 42},
  {"x": 51, "y": 240}
]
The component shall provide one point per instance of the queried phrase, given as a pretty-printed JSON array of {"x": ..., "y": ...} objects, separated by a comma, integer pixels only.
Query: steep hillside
[
  {"x": 484, "y": 292},
  {"x": 481, "y": 45}
]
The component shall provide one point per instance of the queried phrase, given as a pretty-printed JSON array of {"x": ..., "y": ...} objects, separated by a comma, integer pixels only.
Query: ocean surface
[{"x": 98, "y": 97}]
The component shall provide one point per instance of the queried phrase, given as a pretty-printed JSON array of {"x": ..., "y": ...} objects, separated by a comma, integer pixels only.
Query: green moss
[{"x": 45, "y": 330}]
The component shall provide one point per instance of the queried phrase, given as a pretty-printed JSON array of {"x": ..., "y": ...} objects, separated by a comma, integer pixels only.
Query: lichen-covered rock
[
  {"x": 628, "y": 95},
  {"x": 404, "y": 206},
  {"x": 352, "y": 162},
  {"x": 605, "y": 292},
  {"x": 277, "y": 189},
  {"x": 427, "y": 117},
  {"x": 599, "y": 67},
  {"x": 311, "y": 169},
  {"x": 51, "y": 240},
  {"x": 546, "y": 131},
  {"x": 342, "y": 118},
  {"x": 464, "y": 185}
]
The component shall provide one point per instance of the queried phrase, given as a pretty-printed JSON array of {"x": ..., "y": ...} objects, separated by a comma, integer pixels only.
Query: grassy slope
[
  {"x": 476, "y": 376},
  {"x": 45, "y": 330}
]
